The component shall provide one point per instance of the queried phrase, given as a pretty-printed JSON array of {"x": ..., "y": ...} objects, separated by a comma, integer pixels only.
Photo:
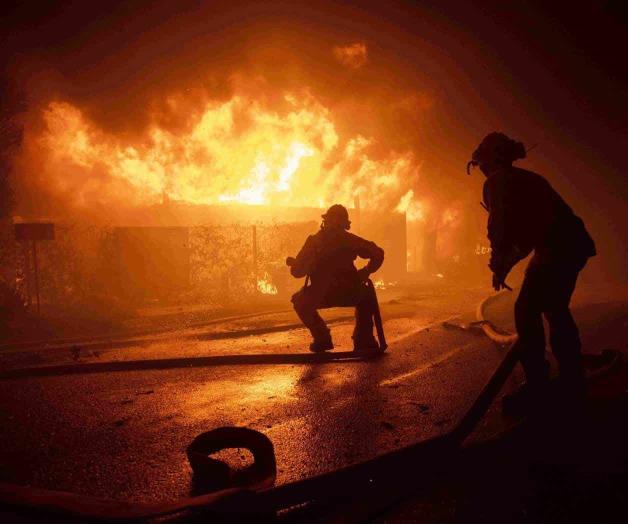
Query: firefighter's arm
[
  {"x": 504, "y": 256},
  {"x": 373, "y": 253},
  {"x": 504, "y": 251},
  {"x": 503, "y": 260},
  {"x": 303, "y": 263},
  {"x": 501, "y": 266}
]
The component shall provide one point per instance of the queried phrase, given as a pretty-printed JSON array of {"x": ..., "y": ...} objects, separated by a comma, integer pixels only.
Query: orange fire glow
[
  {"x": 242, "y": 150},
  {"x": 265, "y": 286},
  {"x": 413, "y": 208}
]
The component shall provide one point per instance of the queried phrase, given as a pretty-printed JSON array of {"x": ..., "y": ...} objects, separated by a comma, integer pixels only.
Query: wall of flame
[{"x": 241, "y": 150}]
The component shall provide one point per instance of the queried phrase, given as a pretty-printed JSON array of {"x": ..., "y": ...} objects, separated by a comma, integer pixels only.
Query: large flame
[
  {"x": 414, "y": 209},
  {"x": 241, "y": 150}
]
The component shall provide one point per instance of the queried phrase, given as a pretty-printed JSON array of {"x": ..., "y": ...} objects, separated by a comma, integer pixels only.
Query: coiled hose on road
[
  {"x": 488, "y": 327},
  {"x": 375, "y": 483}
]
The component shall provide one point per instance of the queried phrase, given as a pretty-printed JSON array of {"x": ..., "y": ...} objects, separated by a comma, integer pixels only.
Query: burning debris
[
  {"x": 265, "y": 286},
  {"x": 382, "y": 284}
]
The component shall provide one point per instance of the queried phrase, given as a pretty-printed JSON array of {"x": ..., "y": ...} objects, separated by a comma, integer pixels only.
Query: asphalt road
[{"x": 122, "y": 433}]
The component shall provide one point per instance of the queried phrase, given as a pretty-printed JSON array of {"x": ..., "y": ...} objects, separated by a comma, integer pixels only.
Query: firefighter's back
[
  {"x": 537, "y": 214},
  {"x": 336, "y": 251}
]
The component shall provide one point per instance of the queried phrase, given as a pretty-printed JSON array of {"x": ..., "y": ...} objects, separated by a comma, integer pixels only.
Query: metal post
[
  {"x": 27, "y": 274},
  {"x": 36, "y": 273},
  {"x": 254, "y": 240},
  {"x": 358, "y": 214}
]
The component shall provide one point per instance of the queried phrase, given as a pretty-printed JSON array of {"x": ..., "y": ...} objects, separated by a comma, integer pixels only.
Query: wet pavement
[{"x": 122, "y": 434}]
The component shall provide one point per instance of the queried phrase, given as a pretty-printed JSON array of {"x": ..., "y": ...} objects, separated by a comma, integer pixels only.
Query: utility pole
[
  {"x": 358, "y": 214},
  {"x": 27, "y": 275},
  {"x": 36, "y": 274},
  {"x": 254, "y": 240}
]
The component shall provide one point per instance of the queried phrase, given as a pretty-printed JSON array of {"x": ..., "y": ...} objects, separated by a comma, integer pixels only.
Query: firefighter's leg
[
  {"x": 529, "y": 323},
  {"x": 531, "y": 342},
  {"x": 564, "y": 336},
  {"x": 363, "y": 339},
  {"x": 305, "y": 303}
]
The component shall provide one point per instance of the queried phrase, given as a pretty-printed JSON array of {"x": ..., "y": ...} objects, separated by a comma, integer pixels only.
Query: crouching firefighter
[
  {"x": 526, "y": 214},
  {"x": 327, "y": 259}
]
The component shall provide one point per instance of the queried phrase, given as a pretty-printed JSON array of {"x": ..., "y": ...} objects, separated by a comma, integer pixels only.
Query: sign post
[
  {"x": 254, "y": 242},
  {"x": 36, "y": 274},
  {"x": 34, "y": 231}
]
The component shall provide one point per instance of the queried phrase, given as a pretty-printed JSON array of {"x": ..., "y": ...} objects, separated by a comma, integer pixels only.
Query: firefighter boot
[
  {"x": 322, "y": 339},
  {"x": 321, "y": 344}
]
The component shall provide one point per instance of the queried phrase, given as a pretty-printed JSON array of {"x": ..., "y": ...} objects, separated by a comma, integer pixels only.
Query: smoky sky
[{"x": 540, "y": 71}]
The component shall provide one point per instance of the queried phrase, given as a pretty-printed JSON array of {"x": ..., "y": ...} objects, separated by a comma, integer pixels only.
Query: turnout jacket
[
  {"x": 328, "y": 256},
  {"x": 525, "y": 214}
]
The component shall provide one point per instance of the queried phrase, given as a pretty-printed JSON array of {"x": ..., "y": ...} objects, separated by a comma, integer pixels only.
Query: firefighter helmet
[
  {"x": 339, "y": 215},
  {"x": 496, "y": 148}
]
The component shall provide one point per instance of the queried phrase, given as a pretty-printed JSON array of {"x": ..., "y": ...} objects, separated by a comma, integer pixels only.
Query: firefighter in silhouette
[
  {"x": 327, "y": 259},
  {"x": 526, "y": 214}
]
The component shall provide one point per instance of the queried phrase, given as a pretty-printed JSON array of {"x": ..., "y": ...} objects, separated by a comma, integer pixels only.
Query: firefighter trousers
[
  {"x": 546, "y": 291},
  {"x": 310, "y": 299}
]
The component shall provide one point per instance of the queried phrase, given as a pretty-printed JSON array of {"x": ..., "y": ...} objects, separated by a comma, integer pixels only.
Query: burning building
[
  {"x": 265, "y": 107},
  {"x": 244, "y": 163},
  {"x": 243, "y": 172},
  {"x": 165, "y": 253}
]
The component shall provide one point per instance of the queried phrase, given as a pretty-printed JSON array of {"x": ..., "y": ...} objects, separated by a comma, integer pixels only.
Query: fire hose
[
  {"x": 377, "y": 317},
  {"x": 377, "y": 482}
]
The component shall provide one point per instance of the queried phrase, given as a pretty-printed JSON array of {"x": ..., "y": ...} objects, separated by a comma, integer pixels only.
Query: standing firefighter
[
  {"x": 526, "y": 214},
  {"x": 327, "y": 258}
]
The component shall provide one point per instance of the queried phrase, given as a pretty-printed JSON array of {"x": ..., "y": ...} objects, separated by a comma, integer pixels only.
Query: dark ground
[
  {"x": 122, "y": 433},
  {"x": 558, "y": 468}
]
